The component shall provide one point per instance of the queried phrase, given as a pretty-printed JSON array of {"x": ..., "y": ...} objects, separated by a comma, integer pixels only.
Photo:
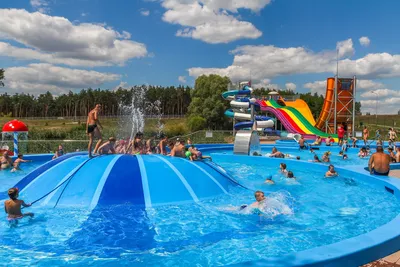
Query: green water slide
[{"x": 302, "y": 119}]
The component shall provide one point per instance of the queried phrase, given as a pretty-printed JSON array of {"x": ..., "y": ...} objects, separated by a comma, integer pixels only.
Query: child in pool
[
  {"x": 282, "y": 169},
  {"x": 269, "y": 180},
  {"x": 290, "y": 174},
  {"x": 260, "y": 197},
  {"x": 18, "y": 161},
  {"x": 13, "y": 206},
  {"x": 331, "y": 171}
]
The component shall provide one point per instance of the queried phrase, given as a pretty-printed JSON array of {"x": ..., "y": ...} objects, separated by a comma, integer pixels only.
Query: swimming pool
[
  {"x": 8, "y": 179},
  {"x": 304, "y": 215}
]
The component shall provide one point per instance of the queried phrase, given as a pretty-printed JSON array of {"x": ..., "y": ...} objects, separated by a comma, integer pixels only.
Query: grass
[{"x": 75, "y": 130}]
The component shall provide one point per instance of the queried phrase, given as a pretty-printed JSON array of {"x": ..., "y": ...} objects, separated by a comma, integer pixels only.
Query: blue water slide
[
  {"x": 144, "y": 181},
  {"x": 236, "y": 92},
  {"x": 243, "y": 125}
]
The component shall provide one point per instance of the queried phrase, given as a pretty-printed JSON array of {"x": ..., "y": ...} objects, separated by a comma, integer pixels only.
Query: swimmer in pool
[
  {"x": 331, "y": 171},
  {"x": 290, "y": 174},
  {"x": 269, "y": 180},
  {"x": 260, "y": 197},
  {"x": 13, "y": 206},
  {"x": 282, "y": 169},
  {"x": 18, "y": 161}
]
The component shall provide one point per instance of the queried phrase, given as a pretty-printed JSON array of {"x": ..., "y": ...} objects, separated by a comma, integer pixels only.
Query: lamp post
[{"x": 376, "y": 106}]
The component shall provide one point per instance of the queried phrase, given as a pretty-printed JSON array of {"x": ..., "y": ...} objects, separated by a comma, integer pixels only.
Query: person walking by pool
[
  {"x": 59, "y": 152},
  {"x": 5, "y": 161},
  {"x": 340, "y": 134},
  {"x": 353, "y": 140},
  {"x": 392, "y": 137},
  {"x": 365, "y": 135},
  {"x": 13, "y": 206},
  {"x": 93, "y": 129},
  {"x": 331, "y": 171},
  {"x": 18, "y": 161},
  {"x": 379, "y": 163}
]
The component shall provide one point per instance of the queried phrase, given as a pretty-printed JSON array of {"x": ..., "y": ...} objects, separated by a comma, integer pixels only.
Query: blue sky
[{"x": 62, "y": 45}]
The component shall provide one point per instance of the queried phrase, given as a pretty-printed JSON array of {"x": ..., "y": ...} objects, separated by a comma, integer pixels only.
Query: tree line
[
  {"x": 171, "y": 101},
  {"x": 202, "y": 104}
]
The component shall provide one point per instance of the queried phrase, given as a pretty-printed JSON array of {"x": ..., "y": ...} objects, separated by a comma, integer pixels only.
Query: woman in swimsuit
[{"x": 5, "y": 162}]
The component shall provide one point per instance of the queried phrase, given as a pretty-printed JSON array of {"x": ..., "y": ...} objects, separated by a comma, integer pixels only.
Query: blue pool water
[
  {"x": 304, "y": 213},
  {"x": 306, "y": 155},
  {"x": 8, "y": 179}
]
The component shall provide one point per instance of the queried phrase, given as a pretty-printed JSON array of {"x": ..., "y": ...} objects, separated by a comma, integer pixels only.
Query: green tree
[
  {"x": 1, "y": 77},
  {"x": 207, "y": 101}
]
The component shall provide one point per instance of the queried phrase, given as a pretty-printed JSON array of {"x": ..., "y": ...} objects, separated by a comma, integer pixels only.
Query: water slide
[
  {"x": 329, "y": 97},
  {"x": 241, "y": 109},
  {"x": 292, "y": 119},
  {"x": 303, "y": 108},
  {"x": 74, "y": 180}
]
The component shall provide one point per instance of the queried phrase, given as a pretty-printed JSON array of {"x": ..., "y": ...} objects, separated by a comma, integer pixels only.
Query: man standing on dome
[{"x": 93, "y": 127}]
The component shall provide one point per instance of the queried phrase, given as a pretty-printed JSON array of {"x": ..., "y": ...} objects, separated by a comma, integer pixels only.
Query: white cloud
[
  {"x": 364, "y": 41},
  {"x": 145, "y": 12},
  {"x": 290, "y": 86},
  {"x": 40, "y": 5},
  {"x": 210, "y": 21},
  {"x": 37, "y": 78},
  {"x": 380, "y": 93},
  {"x": 182, "y": 79},
  {"x": 318, "y": 87},
  {"x": 381, "y": 106},
  {"x": 345, "y": 48},
  {"x": 120, "y": 85},
  {"x": 270, "y": 61},
  {"x": 54, "y": 39},
  {"x": 262, "y": 83}
]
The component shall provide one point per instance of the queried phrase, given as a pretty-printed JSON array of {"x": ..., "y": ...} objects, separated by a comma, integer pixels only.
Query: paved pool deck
[{"x": 393, "y": 259}]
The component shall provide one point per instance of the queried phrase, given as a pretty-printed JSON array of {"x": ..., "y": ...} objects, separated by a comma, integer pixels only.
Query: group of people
[
  {"x": 137, "y": 146},
  {"x": 8, "y": 164}
]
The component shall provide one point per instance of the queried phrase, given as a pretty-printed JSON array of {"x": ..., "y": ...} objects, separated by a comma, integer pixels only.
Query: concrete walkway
[{"x": 394, "y": 259}]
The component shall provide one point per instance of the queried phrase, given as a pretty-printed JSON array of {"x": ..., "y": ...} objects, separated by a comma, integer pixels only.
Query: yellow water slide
[{"x": 303, "y": 108}]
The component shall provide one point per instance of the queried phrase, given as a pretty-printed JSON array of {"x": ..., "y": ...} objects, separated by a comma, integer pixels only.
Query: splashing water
[
  {"x": 132, "y": 114},
  {"x": 154, "y": 109}
]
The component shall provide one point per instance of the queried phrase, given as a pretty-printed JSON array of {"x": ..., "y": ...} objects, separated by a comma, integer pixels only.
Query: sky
[{"x": 67, "y": 45}]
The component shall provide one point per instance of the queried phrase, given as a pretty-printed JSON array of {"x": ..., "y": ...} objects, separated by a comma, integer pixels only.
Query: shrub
[{"x": 196, "y": 123}]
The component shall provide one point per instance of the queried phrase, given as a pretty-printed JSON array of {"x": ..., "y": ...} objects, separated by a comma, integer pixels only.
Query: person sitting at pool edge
[
  {"x": 5, "y": 161},
  {"x": 379, "y": 162},
  {"x": 18, "y": 161},
  {"x": 107, "y": 147},
  {"x": 276, "y": 154},
  {"x": 317, "y": 141},
  {"x": 59, "y": 152},
  {"x": 331, "y": 171},
  {"x": 12, "y": 206}
]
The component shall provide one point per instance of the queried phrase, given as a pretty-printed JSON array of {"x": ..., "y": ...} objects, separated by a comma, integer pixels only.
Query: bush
[
  {"x": 196, "y": 123},
  {"x": 175, "y": 130}
]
